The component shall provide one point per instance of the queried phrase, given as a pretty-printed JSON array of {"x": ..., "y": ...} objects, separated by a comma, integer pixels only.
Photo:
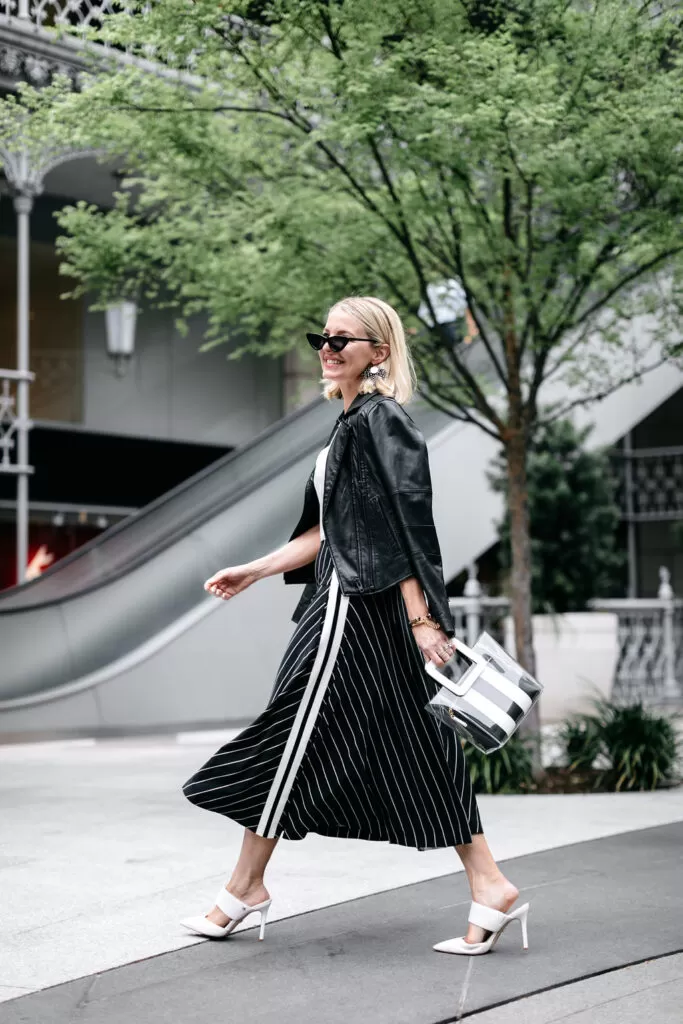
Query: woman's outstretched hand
[
  {"x": 227, "y": 582},
  {"x": 433, "y": 644}
]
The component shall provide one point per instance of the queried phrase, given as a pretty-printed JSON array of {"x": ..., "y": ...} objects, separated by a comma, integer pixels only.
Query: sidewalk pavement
[
  {"x": 97, "y": 837},
  {"x": 595, "y": 907}
]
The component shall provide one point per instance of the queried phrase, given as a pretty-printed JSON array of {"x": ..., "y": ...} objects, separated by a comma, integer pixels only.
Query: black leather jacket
[{"x": 377, "y": 507}]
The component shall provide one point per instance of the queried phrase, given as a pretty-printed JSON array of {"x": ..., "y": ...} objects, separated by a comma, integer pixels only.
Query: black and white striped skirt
[{"x": 345, "y": 747}]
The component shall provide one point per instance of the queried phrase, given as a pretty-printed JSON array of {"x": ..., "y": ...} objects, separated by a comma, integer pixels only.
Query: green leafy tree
[
  {"x": 280, "y": 154},
  {"x": 574, "y": 521}
]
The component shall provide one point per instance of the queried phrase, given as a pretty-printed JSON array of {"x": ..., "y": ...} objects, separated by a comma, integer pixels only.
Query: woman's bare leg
[
  {"x": 488, "y": 883},
  {"x": 246, "y": 881}
]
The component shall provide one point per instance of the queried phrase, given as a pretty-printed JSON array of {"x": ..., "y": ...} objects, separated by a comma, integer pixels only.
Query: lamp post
[
  {"x": 120, "y": 318},
  {"x": 25, "y": 171}
]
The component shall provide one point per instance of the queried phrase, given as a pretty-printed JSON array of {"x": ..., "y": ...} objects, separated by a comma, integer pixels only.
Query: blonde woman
[{"x": 345, "y": 747}]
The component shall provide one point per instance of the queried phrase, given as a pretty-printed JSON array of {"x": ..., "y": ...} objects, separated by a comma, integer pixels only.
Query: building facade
[{"x": 103, "y": 442}]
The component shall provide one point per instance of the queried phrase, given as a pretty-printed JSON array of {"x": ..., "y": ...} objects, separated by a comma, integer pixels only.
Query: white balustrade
[
  {"x": 475, "y": 611},
  {"x": 650, "y": 666},
  {"x": 650, "y": 633}
]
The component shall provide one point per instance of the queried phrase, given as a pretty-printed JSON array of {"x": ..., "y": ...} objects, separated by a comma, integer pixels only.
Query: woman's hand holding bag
[{"x": 433, "y": 644}]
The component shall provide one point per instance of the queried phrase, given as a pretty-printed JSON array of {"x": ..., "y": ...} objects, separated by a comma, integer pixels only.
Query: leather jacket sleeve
[{"x": 398, "y": 456}]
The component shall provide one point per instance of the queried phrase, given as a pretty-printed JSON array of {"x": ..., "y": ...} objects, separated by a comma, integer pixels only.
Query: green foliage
[
  {"x": 509, "y": 770},
  {"x": 295, "y": 151},
  {"x": 582, "y": 743},
  {"x": 573, "y": 518},
  {"x": 638, "y": 748}
]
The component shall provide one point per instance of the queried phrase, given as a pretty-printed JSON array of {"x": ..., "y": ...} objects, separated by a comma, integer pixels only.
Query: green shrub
[
  {"x": 582, "y": 742},
  {"x": 509, "y": 770},
  {"x": 638, "y": 748}
]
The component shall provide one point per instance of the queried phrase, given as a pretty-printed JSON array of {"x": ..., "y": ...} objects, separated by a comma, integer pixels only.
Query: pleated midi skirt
[{"x": 345, "y": 746}]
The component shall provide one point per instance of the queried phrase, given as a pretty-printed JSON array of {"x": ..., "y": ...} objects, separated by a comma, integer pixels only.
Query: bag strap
[
  {"x": 461, "y": 646},
  {"x": 468, "y": 680}
]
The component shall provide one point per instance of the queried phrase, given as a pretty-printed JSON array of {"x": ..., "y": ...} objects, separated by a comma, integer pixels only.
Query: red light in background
[{"x": 38, "y": 562}]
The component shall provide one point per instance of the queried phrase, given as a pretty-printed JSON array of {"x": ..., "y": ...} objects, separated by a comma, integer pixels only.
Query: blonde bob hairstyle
[{"x": 382, "y": 323}]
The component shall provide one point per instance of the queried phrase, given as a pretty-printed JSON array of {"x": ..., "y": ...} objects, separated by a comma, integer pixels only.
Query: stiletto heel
[
  {"x": 232, "y": 908},
  {"x": 525, "y": 937},
  {"x": 493, "y": 921}
]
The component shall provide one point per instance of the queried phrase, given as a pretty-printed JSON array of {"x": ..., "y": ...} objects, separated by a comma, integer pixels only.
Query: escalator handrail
[{"x": 171, "y": 535}]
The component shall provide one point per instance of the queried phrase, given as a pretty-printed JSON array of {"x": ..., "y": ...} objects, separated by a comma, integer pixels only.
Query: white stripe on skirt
[{"x": 316, "y": 687}]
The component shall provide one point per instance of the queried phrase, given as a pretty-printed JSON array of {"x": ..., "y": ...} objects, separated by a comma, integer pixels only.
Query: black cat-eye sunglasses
[{"x": 336, "y": 341}]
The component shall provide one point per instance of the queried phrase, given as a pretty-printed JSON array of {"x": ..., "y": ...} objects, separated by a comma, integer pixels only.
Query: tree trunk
[
  {"x": 520, "y": 579},
  {"x": 520, "y": 542}
]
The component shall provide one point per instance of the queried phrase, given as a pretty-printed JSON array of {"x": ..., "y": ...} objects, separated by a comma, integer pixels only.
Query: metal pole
[
  {"x": 23, "y": 204},
  {"x": 23, "y": 11},
  {"x": 630, "y": 524}
]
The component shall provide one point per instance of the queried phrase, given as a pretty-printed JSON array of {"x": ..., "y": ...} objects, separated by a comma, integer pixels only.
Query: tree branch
[
  {"x": 601, "y": 395},
  {"x": 626, "y": 280},
  {"x": 444, "y": 396}
]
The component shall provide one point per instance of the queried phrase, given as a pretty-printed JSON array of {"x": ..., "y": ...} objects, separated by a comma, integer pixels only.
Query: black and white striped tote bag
[{"x": 484, "y": 693}]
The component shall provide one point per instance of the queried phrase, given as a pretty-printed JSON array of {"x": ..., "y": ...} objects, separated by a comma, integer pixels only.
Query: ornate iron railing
[
  {"x": 650, "y": 483},
  {"x": 47, "y": 13},
  {"x": 10, "y": 421}
]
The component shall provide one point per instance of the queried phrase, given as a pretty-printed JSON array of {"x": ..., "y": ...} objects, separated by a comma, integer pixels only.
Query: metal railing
[
  {"x": 14, "y": 431},
  {"x": 650, "y": 483},
  {"x": 46, "y": 13}
]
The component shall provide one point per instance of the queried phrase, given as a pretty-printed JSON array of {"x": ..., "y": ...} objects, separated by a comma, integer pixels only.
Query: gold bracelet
[{"x": 424, "y": 620}]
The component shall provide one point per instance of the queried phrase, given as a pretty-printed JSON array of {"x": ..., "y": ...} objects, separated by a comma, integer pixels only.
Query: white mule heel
[
  {"x": 494, "y": 921},
  {"x": 232, "y": 908}
]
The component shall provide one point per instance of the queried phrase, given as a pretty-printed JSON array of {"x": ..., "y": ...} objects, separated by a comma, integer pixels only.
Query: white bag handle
[{"x": 469, "y": 677}]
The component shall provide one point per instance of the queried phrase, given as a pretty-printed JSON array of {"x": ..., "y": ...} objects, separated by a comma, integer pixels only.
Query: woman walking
[{"x": 345, "y": 747}]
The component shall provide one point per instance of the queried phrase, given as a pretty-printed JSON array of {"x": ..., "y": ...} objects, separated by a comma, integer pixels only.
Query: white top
[{"x": 319, "y": 482}]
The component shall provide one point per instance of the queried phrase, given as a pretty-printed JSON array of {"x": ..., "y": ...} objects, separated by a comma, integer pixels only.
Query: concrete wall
[
  {"x": 172, "y": 390},
  {"x": 576, "y": 659}
]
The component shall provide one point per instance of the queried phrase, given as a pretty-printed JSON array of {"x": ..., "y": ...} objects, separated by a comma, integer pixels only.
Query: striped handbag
[{"x": 484, "y": 693}]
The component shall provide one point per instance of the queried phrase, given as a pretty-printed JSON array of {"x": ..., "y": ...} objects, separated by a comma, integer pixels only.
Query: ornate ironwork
[
  {"x": 26, "y": 169},
  {"x": 30, "y": 46},
  {"x": 57, "y": 12},
  {"x": 37, "y": 69},
  {"x": 10, "y": 422},
  {"x": 650, "y": 484}
]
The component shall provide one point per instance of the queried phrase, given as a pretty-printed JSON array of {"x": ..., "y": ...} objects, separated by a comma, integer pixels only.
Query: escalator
[
  {"x": 117, "y": 634},
  {"x": 120, "y": 636}
]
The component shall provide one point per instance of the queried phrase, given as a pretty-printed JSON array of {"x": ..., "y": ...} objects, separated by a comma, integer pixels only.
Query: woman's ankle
[
  {"x": 243, "y": 886},
  {"x": 491, "y": 890}
]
